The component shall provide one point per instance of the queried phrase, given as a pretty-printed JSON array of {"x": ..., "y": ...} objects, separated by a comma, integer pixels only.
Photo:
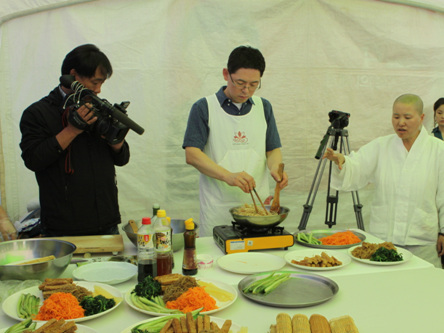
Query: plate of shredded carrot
[
  {"x": 61, "y": 305},
  {"x": 195, "y": 298},
  {"x": 333, "y": 239}
]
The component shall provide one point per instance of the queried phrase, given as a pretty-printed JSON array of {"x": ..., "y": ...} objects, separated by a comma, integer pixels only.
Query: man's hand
[
  {"x": 282, "y": 182},
  {"x": 335, "y": 157},
  {"x": 82, "y": 117},
  {"x": 242, "y": 180}
]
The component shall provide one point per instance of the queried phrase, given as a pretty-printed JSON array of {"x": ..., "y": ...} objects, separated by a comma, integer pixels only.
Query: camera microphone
[{"x": 68, "y": 81}]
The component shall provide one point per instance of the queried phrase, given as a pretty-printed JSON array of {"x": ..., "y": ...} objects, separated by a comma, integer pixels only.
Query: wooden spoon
[
  {"x": 275, "y": 205},
  {"x": 133, "y": 226}
]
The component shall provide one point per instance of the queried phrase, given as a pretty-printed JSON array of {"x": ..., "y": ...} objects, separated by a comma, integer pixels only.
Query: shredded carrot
[
  {"x": 340, "y": 238},
  {"x": 192, "y": 299},
  {"x": 60, "y": 306}
]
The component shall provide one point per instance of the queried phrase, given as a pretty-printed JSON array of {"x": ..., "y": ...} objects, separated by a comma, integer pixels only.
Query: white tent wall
[{"x": 356, "y": 56}]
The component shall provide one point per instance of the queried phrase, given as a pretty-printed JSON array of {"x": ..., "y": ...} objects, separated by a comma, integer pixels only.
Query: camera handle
[{"x": 331, "y": 139}]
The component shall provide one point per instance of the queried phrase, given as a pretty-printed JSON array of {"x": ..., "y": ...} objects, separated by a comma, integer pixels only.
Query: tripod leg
[
  {"x": 308, "y": 207},
  {"x": 332, "y": 203}
]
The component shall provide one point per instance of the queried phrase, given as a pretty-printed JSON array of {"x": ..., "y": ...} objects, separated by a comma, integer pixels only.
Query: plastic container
[
  {"x": 189, "y": 264},
  {"x": 163, "y": 247},
  {"x": 146, "y": 254}
]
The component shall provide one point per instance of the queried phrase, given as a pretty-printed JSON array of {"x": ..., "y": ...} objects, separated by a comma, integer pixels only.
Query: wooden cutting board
[{"x": 95, "y": 244}]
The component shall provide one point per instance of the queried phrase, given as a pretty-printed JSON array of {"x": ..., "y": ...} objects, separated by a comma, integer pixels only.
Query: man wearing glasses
[{"x": 232, "y": 139}]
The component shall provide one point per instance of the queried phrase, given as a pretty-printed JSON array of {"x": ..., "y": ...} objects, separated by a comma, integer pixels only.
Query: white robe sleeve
[{"x": 358, "y": 169}]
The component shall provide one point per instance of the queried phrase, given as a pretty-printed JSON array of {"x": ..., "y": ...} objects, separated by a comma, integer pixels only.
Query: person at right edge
[
  {"x": 407, "y": 169},
  {"x": 438, "y": 113},
  {"x": 231, "y": 139}
]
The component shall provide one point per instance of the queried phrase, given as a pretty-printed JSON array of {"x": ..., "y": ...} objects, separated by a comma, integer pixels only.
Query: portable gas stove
[{"x": 238, "y": 238}]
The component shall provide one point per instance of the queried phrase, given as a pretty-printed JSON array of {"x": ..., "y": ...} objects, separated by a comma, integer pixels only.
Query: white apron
[{"x": 236, "y": 143}]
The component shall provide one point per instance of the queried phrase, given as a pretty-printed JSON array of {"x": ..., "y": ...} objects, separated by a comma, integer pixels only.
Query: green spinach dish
[{"x": 385, "y": 255}]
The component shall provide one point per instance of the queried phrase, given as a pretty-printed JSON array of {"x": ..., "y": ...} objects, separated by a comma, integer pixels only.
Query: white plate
[
  {"x": 300, "y": 255},
  {"x": 406, "y": 255},
  {"x": 250, "y": 262},
  {"x": 105, "y": 272},
  {"x": 10, "y": 304},
  {"x": 220, "y": 305},
  {"x": 235, "y": 328},
  {"x": 80, "y": 328}
]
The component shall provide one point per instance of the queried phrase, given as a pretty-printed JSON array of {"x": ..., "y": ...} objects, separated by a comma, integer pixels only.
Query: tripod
[{"x": 331, "y": 137}]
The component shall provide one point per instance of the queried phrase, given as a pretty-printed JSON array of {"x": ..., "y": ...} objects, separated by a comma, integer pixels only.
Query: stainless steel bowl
[
  {"x": 177, "y": 225},
  {"x": 260, "y": 221},
  {"x": 28, "y": 249}
]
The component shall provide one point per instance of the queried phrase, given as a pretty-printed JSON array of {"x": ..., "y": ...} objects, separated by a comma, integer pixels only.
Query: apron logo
[{"x": 240, "y": 138}]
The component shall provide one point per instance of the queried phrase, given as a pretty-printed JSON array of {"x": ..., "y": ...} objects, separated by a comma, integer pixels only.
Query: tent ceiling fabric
[
  {"x": 10, "y": 9},
  {"x": 356, "y": 56}
]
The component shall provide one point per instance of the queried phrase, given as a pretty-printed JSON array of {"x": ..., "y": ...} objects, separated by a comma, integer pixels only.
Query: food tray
[
  {"x": 327, "y": 232},
  {"x": 301, "y": 290}
]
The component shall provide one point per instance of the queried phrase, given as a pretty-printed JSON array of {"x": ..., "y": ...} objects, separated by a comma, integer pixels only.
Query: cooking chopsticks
[
  {"x": 262, "y": 204},
  {"x": 254, "y": 202}
]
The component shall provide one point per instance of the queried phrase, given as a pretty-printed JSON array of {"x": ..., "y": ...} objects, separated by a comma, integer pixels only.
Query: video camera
[
  {"x": 112, "y": 121},
  {"x": 338, "y": 119}
]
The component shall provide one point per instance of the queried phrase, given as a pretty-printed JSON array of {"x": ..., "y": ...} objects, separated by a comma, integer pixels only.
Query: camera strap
[{"x": 68, "y": 167}]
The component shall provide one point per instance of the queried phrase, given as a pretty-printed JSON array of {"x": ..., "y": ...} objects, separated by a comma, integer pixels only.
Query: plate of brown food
[
  {"x": 55, "y": 325},
  {"x": 62, "y": 298},
  {"x": 176, "y": 294},
  {"x": 382, "y": 254},
  {"x": 187, "y": 323},
  {"x": 317, "y": 260}
]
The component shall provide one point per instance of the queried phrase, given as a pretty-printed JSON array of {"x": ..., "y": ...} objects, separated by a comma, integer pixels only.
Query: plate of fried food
[
  {"x": 62, "y": 298},
  {"x": 317, "y": 260},
  {"x": 382, "y": 254},
  {"x": 177, "y": 294},
  {"x": 50, "y": 326},
  {"x": 188, "y": 322}
]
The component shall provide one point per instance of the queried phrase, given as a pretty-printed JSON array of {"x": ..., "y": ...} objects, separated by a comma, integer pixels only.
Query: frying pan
[{"x": 260, "y": 221}]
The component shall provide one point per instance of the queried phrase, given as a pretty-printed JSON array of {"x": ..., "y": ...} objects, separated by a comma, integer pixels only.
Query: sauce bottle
[
  {"x": 189, "y": 265},
  {"x": 164, "y": 251},
  {"x": 146, "y": 254},
  {"x": 156, "y": 207}
]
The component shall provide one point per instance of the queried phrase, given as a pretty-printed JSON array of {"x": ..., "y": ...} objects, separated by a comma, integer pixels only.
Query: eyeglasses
[{"x": 241, "y": 84}]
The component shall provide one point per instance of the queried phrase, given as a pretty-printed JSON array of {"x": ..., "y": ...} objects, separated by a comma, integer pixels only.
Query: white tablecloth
[{"x": 381, "y": 299}]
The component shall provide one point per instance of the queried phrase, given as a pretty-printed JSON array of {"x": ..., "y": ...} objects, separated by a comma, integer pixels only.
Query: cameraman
[{"x": 74, "y": 166}]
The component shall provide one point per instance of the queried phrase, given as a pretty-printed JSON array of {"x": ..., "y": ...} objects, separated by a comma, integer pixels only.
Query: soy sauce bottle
[
  {"x": 146, "y": 254},
  {"x": 189, "y": 265}
]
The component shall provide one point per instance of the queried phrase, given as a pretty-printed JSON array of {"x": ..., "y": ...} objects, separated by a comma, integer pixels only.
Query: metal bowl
[
  {"x": 28, "y": 249},
  {"x": 260, "y": 221},
  {"x": 177, "y": 225}
]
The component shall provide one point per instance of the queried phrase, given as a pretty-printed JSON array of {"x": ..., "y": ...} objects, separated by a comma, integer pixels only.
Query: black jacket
[{"x": 84, "y": 202}]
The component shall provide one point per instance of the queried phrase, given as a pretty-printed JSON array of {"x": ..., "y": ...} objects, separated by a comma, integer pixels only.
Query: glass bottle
[
  {"x": 164, "y": 251},
  {"x": 146, "y": 254},
  {"x": 156, "y": 207},
  {"x": 189, "y": 265}
]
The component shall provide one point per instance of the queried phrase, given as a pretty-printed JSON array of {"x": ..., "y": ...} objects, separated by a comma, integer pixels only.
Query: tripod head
[{"x": 338, "y": 120}]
